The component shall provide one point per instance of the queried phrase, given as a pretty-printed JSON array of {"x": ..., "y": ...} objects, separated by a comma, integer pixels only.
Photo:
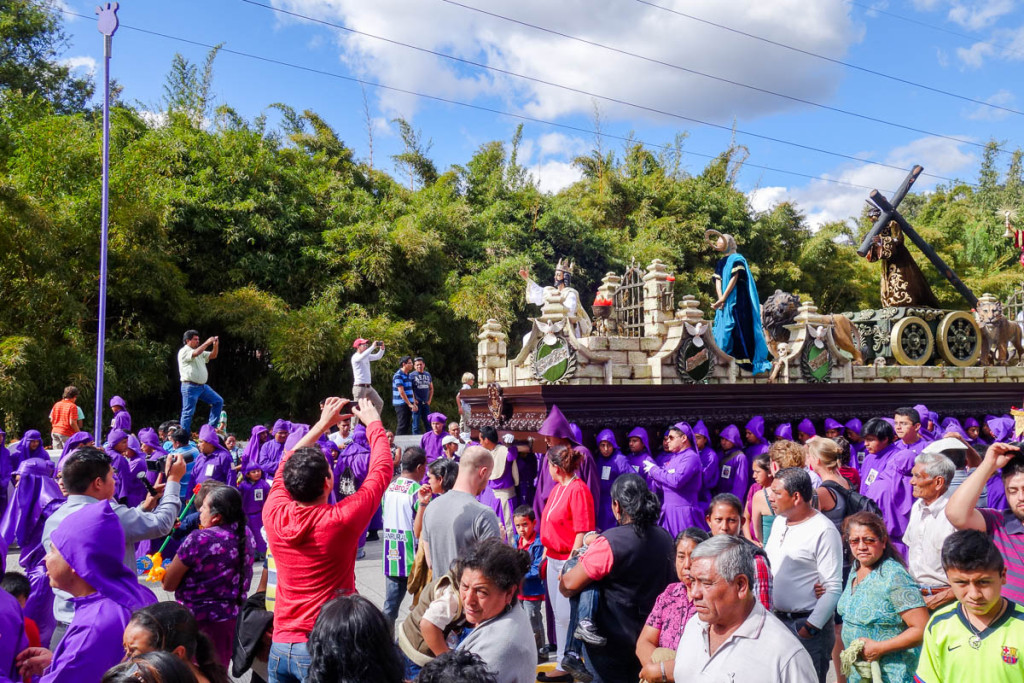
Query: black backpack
[{"x": 854, "y": 501}]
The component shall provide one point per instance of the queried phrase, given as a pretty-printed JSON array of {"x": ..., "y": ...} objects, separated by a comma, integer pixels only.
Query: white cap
[
  {"x": 947, "y": 444},
  {"x": 449, "y": 439}
]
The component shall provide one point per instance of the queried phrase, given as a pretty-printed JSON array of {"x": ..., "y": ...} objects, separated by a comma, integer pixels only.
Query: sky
[{"x": 831, "y": 98}]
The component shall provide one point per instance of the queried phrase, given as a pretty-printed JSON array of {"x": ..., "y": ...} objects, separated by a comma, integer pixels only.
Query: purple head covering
[
  {"x": 922, "y": 411},
  {"x": 1001, "y": 428},
  {"x": 134, "y": 445},
  {"x": 281, "y": 426},
  {"x": 807, "y": 427},
  {"x": 91, "y": 540},
  {"x": 115, "y": 437},
  {"x": 251, "y": 466},
  {"x": 970, "y": 422},
  {"x": 20, "y": 451},
  {"x": 892, "y": 422},
  {"x": 833, "y": 424},
  {"x": 933, "y": 416},
  {"x": 609, "y": 436},
  {"x": 577, "y": 433},
  {"x": 437, "y": 417},
  {"x": 557, "y": 426},
  {"x": 252, "y": 447},
  {"x": 149, "y": 437},
  {"x": 35, "y": 497},
  {"x": 951, "y": 424},
  {"x": 295, "y": 435},
  {"x": 855, "y": 426},
  {"x": 732, "y": 433},
  {"x": 784, "y": 431},
  {"x": 117, "y": 401},
  {"x": 641, "y": 434},
  {"x": 755, "y": 427},
  {"x": 688, "y": 433},
  {"x": 700, "y": 429},
  {"x": 73, "y": 443}
]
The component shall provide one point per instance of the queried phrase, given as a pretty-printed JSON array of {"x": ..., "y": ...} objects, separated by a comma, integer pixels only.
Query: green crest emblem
[
  {"x": 554, "y": 361},
  {"x": 694, "y": 361}
]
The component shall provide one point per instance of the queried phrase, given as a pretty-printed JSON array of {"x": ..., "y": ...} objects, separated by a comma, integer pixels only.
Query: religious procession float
[{"x": 640, "y": 358}]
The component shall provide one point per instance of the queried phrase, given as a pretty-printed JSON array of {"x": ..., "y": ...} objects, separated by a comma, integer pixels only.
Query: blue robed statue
[{"x": 737, "y": 326}]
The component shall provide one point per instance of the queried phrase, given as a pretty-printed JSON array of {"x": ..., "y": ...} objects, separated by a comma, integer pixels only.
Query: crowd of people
[{"x": 883, "y": 549}]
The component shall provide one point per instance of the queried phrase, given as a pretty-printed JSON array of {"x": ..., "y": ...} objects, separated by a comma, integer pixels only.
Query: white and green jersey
[
  {"x": 399, "y": 511},
  {"x": 953, "y": 651}
]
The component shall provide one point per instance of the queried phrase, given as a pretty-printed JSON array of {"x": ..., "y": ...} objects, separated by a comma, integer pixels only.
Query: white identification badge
[
  {"x": 209, "y": 470},
  {"x": 606, "y": 472},
  {"x": 860, "y": 457},
  {"x": 257, "y": 494},
  {"x": 870, "y": 479},
  {"x": 636, "y": 468},
  {"x": 726, "y": 471}
]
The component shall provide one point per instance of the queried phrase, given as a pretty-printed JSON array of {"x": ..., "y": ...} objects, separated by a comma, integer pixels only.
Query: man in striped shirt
[
  {"x": 401, "y": 507},
  {"x": 1005, "y": 527}
]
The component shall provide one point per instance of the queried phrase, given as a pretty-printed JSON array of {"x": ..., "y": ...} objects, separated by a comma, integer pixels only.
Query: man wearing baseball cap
[{"x": 361, "y": 386}]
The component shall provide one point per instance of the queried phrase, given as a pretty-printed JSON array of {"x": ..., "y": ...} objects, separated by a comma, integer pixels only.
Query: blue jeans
[
  {"x": 419, "y": 418},
  {"x": 394, "y": 592},
  {"x": 288, "y": 663},
  {"x": 191, "y": 394},
  {"x": 583, "y": 605}
]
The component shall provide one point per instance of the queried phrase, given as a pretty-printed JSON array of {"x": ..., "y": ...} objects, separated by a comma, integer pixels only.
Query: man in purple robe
[
  {"x": 259, "y": 436},
  {"x": 12, "y": 627},
  {"x": 116, "y": 445},
  {"x": 30, "y": 446},
  {"x": 708, "y": 461},
  {"x": 907, "y": 423},
  {"x": 756, "y": 444},
  {"x": 611, "y": 464},
  {"x": 431, "y": 441},
  {"x": 36, "y": 497},
  {"x": 214, "y": 461},
  {"x": 853, "y": 435},
  {"x": 734, "y": 467},
  {"x": 680, "y": 480},
  {"x": 122, "y": 420},
  {"x": 885, "y": 478},
  {"x": 783, "y": 432},
  {"x": 804, "y": 431},
  {"x": 85, "y": 561},
  {"x": 272, "y": 450},
  {"x": 557, "y": 432}
]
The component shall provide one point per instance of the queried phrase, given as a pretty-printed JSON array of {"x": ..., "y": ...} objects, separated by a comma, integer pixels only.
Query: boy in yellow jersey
[{"x": 981, "y": 635}]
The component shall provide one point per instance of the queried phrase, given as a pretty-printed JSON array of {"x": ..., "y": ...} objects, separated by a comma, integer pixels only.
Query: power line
[
  {"x": 720, "y": 79},
  {"x": 607, "y": 98},
  {"x": 478, "y": 107},
  {"x": 840, "y": 62}
]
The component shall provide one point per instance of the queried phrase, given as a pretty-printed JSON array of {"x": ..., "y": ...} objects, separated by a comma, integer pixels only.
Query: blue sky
[{"x": 973, "y": 49}]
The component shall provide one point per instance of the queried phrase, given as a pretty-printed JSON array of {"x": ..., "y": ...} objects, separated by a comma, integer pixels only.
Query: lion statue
[
  {"x": 781, "y": 309},
  {"x": 998, "y": 333}
]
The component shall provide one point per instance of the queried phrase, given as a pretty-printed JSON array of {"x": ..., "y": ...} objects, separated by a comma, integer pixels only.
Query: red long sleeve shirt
[{"x": 315, "y": 547}]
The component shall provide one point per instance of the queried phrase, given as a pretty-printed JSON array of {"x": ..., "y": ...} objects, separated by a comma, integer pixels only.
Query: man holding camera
[{"x": 192, "y": 360}]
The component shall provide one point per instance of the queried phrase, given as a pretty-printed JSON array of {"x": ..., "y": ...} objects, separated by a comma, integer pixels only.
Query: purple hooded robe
[
  {"x": 12, "y": 626},
  {"x": 1002, "y": 431},
  {"x": 117, "y": 461},
  {"x": 555, "y": 425},
  {"x": 254, "y": 496},
  {"x": 805, "y": 427},
  {"x": 610, "y": 469},
  {"x": 355, "y": 457},
  {"x": 636, "y": 460},
  {"x": 431, "y": 442},
  {"x": 252, "y": 446},
  {"x": 217, "y": 465},
  {"x": 831, "y": 424},
  {"x": 122, "y": 420},
  {"x": 149, "y": 437},
  {"x": 680, "y": 479},
  {"x": 36, "y": 497},
  {"x": 978, "y": 442},
  {"x": 784, "y": 432},
  {"x": 134, "y": 490},
  {"x": 756, "y": 427},
  {"x": 859, "y": 449},
  {"x": 885, "y": 479},
  {"x": 74, "y": 442},
  {"x": 91, "y": 541},
  {"x": 271, "y": 451},
  {"x": 708, "y": 462},
  {"x": 734, "y": 470},
  {"x": 20, "y": 452}
]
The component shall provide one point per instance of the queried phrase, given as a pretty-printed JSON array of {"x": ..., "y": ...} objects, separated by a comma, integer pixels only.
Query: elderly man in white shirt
[
  {"x": 733, "y": 637},
  {"x": 361, "y": 386},
  {"x": 928, "y": 526}
]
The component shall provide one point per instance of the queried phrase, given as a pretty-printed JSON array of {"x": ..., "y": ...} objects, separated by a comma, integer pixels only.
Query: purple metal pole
[{"x": 107, "y": 25}]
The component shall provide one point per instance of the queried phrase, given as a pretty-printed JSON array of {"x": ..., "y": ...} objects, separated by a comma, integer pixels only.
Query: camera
[{"x": 160, "y": 464}]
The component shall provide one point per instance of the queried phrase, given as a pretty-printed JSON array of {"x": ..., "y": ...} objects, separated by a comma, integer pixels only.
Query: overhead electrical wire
[
  {"x": 478, "y": 107},
  {"x": 840, "y": 62},
  {"x": 607, "y": 98}
]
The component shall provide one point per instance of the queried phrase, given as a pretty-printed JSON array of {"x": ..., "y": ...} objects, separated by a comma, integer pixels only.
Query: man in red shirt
[{"x": 314, "y": 542}]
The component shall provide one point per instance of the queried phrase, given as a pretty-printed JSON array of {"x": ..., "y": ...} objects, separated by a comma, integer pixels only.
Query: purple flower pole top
[{"x": 108, "y": 22}]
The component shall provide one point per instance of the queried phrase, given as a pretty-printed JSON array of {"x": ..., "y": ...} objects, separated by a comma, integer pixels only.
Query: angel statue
[
  {"x": 737, "y": 326},
  {"x": 571, "y": 298}
]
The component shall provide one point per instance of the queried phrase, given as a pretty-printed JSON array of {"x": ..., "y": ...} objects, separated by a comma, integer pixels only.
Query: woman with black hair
[
  {"x": 170, "y": 627},
  {"x": 631, "y": 566},
  {"x": 353, "y": 641},
  {"x": 490, "y": 574},
  {"x": 152, "y": 667},
  {"x": 213, "y": 568}
]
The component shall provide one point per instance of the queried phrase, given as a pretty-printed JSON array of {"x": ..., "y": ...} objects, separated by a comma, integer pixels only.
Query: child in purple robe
[
  {"x": 12, "y": 626},
  {"x": 214, "y": 461},
  {"x": 122, "y": 420},
  {"x": 754, "y": 437},
  {"x": 36, "y": 497},
  {"x": 885, "y": 478},
  {"x": 805, "y": 430},
  {"x": 259, "y": 436},
  {"x": 272, "y": 450},
  {"x": 611, "y": 464},
  {"x": 708, "y": 460},
  {"x": 783, "y": 432},
  {"x": 853, "y": 435},
  {"x": 973, "y": 429},
  {"x": 734, "y": 470},
  {"x": 680, "y": 479},
  {"x": 833, "y": 428},
  {"x": 431, "y": 441},
  {"x": 254, "y": 489},
  {"x": 30, "y": 446},
  {"x": 639, "y": 451},
  {"x": 86, "y": 560},
  {"x": 74, "y": 442},
  {"x": 134, "y": 490}
]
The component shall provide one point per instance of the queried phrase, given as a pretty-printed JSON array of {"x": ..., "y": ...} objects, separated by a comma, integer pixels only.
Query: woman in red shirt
[{"x": 568, "y": 515}]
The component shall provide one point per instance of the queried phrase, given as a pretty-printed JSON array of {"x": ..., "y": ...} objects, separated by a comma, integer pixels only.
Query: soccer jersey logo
[{"x": 1010, "y": 655}]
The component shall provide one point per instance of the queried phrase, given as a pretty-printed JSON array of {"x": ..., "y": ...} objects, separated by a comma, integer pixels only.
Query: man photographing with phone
[
  {"x": 361, "y": 359},
  {"x": 192, "y": 360}
]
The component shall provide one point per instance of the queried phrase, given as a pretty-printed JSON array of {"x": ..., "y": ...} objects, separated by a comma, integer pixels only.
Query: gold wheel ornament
[
  {"x": 959, "y": 339},
  {"x": 911, "y": 341}
]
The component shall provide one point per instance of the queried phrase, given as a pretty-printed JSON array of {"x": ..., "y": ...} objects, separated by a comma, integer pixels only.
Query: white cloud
[
  {"x": 824, "y": 26},
  {"x": 82, "y": 62},
  {"x": 823, "y": 201},
  {"x": 979, "y": 14},
  {"x": 974, "y": 56},
  {"x": 1003, "y": 98},
  {"x": 154, "y": 119},
  {"x": 552, "y": 176}
]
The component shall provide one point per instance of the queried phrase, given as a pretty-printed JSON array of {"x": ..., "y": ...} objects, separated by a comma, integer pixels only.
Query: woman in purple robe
[
  {"x": 259, "y": 436},
  {"x": 783, "y": 432},
  {"x": 122, "y": 420},
  {"x": 272, "y": 450},
  {"x": 30, "y": 446},
  {"x": 36, "y": 497},
  {"x": 756, "y": 444},
  {"x": 611, "y": 464},
  {"x": 804, "y": 431},
  {"x": 87, "y": 561},
  {"x": 214, "y": 461},
  {"x": 680, "y": 479},
  {"x": 734, "y": 470},
  {"x": 12, "y": 626},
  {"x": 254, "y": 489},
  {"x": 708, "y": 461}
]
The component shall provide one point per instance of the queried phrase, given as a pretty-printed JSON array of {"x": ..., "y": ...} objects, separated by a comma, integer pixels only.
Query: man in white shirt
[
  {"x": 361, "y": 386},
  {"x": 804, "y": 549},
  {"x": 192, "y": 360},
  {"x": 928, "y": 527},
  {"x": 733, "y": 637}
]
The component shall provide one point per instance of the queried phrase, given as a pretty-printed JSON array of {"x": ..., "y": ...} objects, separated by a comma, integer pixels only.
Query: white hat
[
  {"x": 449, "y": 439},
  {"x": 947, "y": 444}
]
